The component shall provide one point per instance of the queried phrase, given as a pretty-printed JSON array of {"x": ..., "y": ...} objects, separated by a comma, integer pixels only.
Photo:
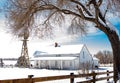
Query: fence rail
[{"x": 72, "y": 76}]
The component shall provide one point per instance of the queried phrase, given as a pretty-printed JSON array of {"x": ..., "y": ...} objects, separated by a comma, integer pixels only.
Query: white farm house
[{"x": 64, "y": 57}]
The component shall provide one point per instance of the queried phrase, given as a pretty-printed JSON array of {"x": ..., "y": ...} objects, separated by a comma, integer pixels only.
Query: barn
[{"x": 70, "y": 57}]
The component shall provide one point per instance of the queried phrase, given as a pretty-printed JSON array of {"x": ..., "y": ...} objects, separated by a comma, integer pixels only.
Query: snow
[
  {"x": 109, "y": 25},
  {"x": 112, "y": 27},
  {"x": 14, "y": 73},
  {"x": 94, "y": 58},
  {"x": 63, "y": 49}
]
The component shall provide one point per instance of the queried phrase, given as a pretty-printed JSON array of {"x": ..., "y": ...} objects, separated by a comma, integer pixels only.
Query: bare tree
[
  {"x": 100, "y": 56},
  {"x": 26, "y": 14},
  {"x": 108, "y": 57},
  {"x": 105, "y": 57}
]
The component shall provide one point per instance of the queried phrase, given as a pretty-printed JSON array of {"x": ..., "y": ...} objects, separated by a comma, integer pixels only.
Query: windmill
[{"x": 23, "y": 60}]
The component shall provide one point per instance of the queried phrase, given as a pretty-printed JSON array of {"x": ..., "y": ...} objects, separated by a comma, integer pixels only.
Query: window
[
  {"x": 70, "y": 63},
  {"x": 63, "y": 62},
  {"x": 56, "y": 63},
  {"x": 83, "y": 54},
  {"x": 58, "y": 55}
]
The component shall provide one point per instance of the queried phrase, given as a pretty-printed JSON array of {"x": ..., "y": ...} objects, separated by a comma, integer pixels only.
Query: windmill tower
[{"x": 23, "y": 60}]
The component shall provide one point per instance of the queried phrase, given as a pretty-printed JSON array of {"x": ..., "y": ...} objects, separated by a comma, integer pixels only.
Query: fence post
[
  {"x": 72, "y": 78},
  {"x": 94, "y": 76},
  {"x": 107, "y": 75},
  {"x": 30, "y": 77}
]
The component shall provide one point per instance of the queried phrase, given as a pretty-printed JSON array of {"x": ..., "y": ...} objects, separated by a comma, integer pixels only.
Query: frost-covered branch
[{"x": 84, "y": 8}]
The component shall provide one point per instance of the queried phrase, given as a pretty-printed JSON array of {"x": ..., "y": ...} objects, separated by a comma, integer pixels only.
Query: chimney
[{"x": 56, "y": 44}]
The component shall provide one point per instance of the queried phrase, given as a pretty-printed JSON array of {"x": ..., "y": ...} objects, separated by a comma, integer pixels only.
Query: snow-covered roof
[
  {"x": 64, "y": 49},
  {"x": 54, "y": 58},
  {"x": 94, "y": 58}
]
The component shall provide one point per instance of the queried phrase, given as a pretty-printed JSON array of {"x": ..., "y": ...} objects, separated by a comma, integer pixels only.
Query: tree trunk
[
  {"x": 114, "y": 40},
  {"x": 115, "y": 44}
]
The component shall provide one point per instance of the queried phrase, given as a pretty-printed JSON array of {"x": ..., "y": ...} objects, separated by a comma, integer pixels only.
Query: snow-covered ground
[{"x": 14, "y": 73}]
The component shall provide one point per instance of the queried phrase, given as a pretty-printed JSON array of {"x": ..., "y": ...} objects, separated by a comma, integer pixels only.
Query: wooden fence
[{"x": 72, "y": 76}]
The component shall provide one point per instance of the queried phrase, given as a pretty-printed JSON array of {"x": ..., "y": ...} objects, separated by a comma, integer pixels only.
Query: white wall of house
[
  {"x": 95, "y": 62},
  {"x": 77, "y": 64},
  {"x": 55, "y": 64},
  {"x": 85, "y": 58},
  {"x": 85, "y": 55}
]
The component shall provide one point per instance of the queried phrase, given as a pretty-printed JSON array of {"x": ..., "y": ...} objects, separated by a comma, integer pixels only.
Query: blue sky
[{"x": 96, "y": 41}]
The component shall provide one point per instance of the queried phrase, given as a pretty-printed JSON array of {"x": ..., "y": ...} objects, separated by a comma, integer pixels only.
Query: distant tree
[
  {"x": 26, "y": 14},
  {"x": 99, "y": 55},
  {"x": 105, "y": 57},
  {"x": 108, "y": 57}
]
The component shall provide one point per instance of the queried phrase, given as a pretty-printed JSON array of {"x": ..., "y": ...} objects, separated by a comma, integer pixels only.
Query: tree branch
[
  {"x": 84, "y": 8},
  {"x": 99, "y": 2},
  {"x": 81, "y": 12},
  {"x": 49, "y": 16},
  {"x": 52, "y": 7}
]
